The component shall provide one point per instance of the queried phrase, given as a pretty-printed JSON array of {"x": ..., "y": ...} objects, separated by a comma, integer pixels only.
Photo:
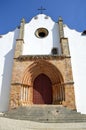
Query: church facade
[
  {"x": 43, "y": 76},
  {"x": 41, "y": 68}
]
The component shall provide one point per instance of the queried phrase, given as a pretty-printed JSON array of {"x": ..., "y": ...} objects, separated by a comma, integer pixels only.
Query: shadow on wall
[
  {"x": 7, "y": 73},
  {"x": 56, "y": 39}
]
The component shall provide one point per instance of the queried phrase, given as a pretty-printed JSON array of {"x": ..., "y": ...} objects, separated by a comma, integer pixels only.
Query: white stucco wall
[
  {"x": 35, "y": 46},
  {"x": 40, "y": 46},
  {"x": 77, "y": 45},
  {"x": 7, "y": 43}
]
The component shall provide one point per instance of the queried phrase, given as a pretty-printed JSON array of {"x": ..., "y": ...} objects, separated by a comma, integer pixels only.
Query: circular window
[{"x": 41, "y": 32}]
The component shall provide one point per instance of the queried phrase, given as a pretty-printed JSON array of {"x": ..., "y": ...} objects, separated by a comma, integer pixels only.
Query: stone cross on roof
[{"x": 41, "y": 9}]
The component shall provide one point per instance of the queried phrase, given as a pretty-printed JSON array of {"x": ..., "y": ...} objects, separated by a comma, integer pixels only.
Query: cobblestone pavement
[{"x": 10, "y": 124}]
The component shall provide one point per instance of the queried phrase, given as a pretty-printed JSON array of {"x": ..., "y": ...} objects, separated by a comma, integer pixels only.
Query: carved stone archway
[{"x": 35, "y": 69}]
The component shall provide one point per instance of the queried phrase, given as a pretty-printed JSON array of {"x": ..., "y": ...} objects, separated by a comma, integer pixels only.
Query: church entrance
[
  {"x": 42, "y": 84},
  {"x": 42, "y": 90}
]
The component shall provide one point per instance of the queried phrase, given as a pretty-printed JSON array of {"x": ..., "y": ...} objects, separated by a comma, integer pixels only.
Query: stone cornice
[
  {"x": 68, "y": 83},
  {"x": 64, "y": 83},
  {"x": 20, "y": 40},
  {"x": 41, "y": 57},
  {"x": 60, "y": 84},
  {"x": 16, "y": 83},
  {"x": 21, "y": 84}
]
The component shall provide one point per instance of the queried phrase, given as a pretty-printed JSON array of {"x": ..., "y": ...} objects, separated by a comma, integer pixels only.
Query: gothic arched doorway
[
  {"x": 42, "y": 90},
  {"x": 42, "y": 84}
]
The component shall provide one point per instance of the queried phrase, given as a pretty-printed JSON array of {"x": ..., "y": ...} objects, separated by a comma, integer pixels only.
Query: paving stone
[{"x": 11, "y": 124}]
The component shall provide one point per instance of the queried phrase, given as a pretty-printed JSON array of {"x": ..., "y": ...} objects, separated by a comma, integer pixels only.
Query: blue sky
[{"x": 73, "y": 12}]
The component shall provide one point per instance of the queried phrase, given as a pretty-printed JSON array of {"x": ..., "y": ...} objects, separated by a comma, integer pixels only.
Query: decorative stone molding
[
  {"x": 68, "y": 83},
  {"x": 40, "y": 57},
  {"x": 20, "y": 40},
  {"x": 16, "y": 83}
]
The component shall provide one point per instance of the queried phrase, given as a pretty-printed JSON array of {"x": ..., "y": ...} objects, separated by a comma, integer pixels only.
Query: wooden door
[{"x": 42, "y": 90}]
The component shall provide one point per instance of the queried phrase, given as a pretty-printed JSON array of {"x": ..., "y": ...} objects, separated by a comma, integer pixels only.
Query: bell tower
[{"x": 42, "y": 71}]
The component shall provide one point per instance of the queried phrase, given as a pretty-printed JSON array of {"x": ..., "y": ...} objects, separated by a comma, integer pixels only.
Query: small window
[
  {"x": 41, "y": 32},
  {"x": 54, "y": 51}
]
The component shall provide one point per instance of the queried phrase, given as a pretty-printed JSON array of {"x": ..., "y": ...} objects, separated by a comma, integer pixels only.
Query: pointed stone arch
[
  {"x": 35, "y": 69},
  {"x": 39, "y": 67}
]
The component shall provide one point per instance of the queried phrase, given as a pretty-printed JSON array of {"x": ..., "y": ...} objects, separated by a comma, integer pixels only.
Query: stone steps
[{"x": 46, "y": 113}]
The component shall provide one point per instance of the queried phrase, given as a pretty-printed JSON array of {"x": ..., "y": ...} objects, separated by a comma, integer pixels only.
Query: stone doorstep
[{"x": 45, "y": 114}]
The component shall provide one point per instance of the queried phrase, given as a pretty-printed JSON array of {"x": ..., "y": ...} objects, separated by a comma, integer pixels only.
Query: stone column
[
  {"x": 63, "y": 41},
  {"x": 30, "y": 96},
  {"x": 61, "y": 31},
  {"x": 54, "y": 93},
  {"x": 15, "y": 100},
  {"x": 20, "y": 40},
  {"x": 65, "y": 46},
  {"x": 58, "y": 93},
  {"x": 16, "y": 87},
  {"x": 21, "y": 33},
  {"x": 69, "y": 96}
]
